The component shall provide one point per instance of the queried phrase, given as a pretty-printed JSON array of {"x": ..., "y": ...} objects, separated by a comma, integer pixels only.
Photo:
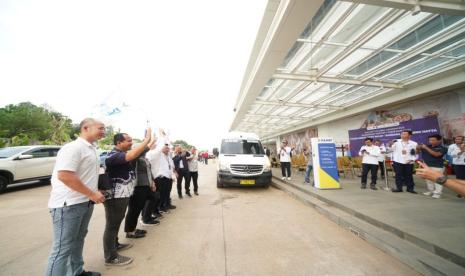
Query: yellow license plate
[{"x": 247, "y": 181}]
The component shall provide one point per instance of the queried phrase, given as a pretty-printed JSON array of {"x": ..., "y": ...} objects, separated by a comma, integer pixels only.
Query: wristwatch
[{"x": 441, "y": 180}]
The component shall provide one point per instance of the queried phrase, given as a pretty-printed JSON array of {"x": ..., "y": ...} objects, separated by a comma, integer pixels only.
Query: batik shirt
[{"x": 121, "y": 173}]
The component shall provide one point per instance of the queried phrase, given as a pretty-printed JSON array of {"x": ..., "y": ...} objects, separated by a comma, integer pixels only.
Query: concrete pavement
[{"x": 221, "y": 232}]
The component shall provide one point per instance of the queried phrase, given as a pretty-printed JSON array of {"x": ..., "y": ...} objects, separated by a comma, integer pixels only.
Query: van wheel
[
  {"x": 219, "y": 184},
  {"x": 3, "y": 184}
]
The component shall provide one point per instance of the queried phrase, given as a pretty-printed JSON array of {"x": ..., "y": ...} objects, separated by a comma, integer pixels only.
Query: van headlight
[
  {"x": 224, "y": 167},
  {"x": 267, "y": 166}
]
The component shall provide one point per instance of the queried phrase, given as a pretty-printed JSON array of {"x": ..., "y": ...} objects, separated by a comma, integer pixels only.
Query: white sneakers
[
  {"x": 433, "y": 195},
  {"x": 289, "y": 178},
  {"x": 283, "y": 178}
]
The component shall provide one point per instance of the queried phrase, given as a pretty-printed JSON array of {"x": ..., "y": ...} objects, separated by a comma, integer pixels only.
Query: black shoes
[
  {"x": 164, "y": 210},
  {"x": 364, "y": 186},
  {"x": 157, "y": 216},
  {"x": 189, "y": 194},
  {"x": 196, "y": 193},
  {"x": 180, "y": 196},
  {"x": 140, "y": 231},
  {"x": 135, "y": 235},
  {"x": 123, "y": 246},
  {"x": 412, "y": 192},
  {"x": 171, "y": 206},
  {"x": 396, "y": 191},
  {"x": 89, "y": 273},
  {"x": 149, "y": 223},
  {"x": 373, "y": 187}
]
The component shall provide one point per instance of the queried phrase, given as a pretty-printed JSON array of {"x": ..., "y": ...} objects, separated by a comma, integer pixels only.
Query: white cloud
[{"x": 180, "y": 62}]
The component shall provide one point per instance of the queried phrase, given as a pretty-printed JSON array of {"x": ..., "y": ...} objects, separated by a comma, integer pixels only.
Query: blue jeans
[
  {"x": 307, "y": 173},
  {"x": 69, "y": 230}
]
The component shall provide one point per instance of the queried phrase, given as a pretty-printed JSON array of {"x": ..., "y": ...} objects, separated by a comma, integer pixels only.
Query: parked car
[
  {"x": 103, "y": 155},
  {"x": 26, "y": 163}
]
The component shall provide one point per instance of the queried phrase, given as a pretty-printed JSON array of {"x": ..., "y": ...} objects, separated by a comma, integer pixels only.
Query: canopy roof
[{"x": 318, "y": 61}]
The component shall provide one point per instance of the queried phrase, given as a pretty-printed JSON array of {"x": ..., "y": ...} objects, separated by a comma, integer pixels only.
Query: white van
[{"x": 242, "y": 161}]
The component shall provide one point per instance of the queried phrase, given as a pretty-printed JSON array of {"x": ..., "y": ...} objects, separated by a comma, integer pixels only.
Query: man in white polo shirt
[
  {"x": 74, "y": 191},
  {"x": 404, "y": 154},
  {"x": 370, "y": 155}
]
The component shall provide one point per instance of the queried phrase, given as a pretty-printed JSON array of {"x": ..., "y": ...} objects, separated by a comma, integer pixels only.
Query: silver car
[{"x": 26, "y": 163}]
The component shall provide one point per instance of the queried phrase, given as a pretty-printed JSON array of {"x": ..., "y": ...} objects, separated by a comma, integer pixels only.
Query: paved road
[{"x": 220, "y": 232}]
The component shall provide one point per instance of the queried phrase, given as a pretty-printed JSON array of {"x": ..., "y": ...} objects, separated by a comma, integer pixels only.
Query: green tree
[
  {"x": 183, "y": 144},
  {"x": 107, "y": 142},
  {"x": 26, "y": 123}
]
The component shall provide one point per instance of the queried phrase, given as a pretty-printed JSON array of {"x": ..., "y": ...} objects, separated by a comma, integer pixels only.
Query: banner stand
[{"x": 325, "y": 172}]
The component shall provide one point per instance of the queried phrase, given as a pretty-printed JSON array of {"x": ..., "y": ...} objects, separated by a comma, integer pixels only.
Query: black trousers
[
  {"x": 381, "y": 167},
  {"x": 115, "y": 209},
  {"x": 164, "y": 186},
  {"x": 152, "y": 206},
  {"x": 373, "y": 169},
  {"x": 459, "y": 171},
  {"x": 404, "y": 175},
  {"x": 194, "y": 176},
  {"x": 183, "y": 174},
  {"x": 286, "y": 166},
  {"x": 136, "y": 204}
]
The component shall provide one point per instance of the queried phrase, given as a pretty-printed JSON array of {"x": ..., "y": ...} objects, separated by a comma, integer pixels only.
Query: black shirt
[
  {"x": 436, "y": 162},
  {"x": 178, "y": 159}
]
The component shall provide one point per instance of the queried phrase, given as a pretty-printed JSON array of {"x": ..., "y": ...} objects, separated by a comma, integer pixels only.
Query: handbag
[{"x": 104, "y": 182}]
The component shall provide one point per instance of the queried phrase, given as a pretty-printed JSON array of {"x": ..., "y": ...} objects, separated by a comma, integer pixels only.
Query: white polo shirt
[
  {"x": 161, "y": 164},
  {"x": 401, "y": 151},
  {"x": 457, "y": 159},
  {"x": 382, "y": 155},
  {"x": 285, "y": 154},
  {"x": 80, "y": 157},
  {"x": 371, "y": 155}
]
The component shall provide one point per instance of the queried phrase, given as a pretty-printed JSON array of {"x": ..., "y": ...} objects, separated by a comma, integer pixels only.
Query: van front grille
[{"x": 246, "y": 169}]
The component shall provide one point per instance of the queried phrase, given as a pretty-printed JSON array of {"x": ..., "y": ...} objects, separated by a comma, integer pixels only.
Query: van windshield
[{"x": 241, "y": 146}]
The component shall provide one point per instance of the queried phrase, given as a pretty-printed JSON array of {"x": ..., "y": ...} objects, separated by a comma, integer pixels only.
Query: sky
[{"x": 177, "y": 64}]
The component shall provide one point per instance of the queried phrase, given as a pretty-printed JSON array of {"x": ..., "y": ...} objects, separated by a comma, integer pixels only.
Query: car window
[
  {"x": 10, "y": 151},
  {"x": 40, "y": 153},
  {"x": 45, "y": 152},
  {"x": 54, "y": 152}
]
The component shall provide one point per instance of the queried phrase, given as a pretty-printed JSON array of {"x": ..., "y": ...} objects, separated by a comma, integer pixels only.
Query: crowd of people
[
  {"x": 403, "y": 153},
  {"x": 136, "y": 182}
]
